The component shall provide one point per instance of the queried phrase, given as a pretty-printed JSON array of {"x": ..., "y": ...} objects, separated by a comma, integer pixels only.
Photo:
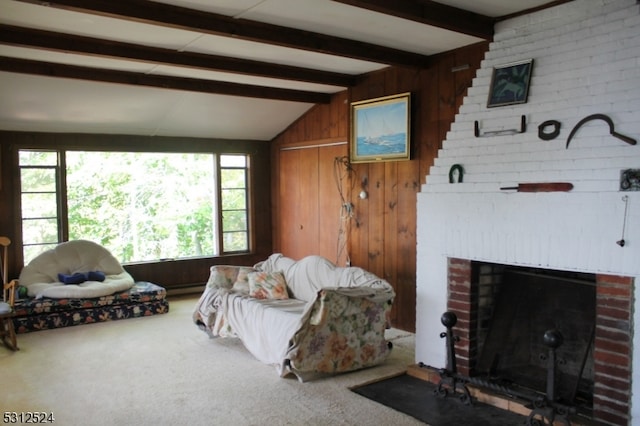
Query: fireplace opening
[
  {"x": 504, "y": 311},
  {"x": 517, "y": 307}
]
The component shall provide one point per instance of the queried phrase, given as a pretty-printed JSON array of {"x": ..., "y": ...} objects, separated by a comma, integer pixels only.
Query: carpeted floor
[
  {"x": 162, "y": 370},
  {"x": 415, "y": 397}
]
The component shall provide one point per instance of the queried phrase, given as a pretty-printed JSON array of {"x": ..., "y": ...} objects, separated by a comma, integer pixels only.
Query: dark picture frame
[
  {"x": 510, "y": 83},
  {"x": 381, "y": 129}
]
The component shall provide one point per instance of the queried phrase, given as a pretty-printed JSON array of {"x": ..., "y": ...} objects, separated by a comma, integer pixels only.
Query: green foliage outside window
[{"x": 142, "y": 206}]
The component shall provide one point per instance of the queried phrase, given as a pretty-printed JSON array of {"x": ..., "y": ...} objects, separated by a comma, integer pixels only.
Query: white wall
[{"x": 586, "y": 60}]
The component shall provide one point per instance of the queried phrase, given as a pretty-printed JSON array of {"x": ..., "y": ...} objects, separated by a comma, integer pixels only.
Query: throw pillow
[
  {"x": 96, "y": 276},
  {"x": 267, "y": 285},
  {"x": 77, "y": 278},
  {"x": 242, "y": 281},
  {"x": 80, "y": 277},
  {"x": 222, "y": 276}
]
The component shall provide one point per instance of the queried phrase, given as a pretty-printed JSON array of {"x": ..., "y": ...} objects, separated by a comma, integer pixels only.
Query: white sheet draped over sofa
[{"x": 333, "y": 321}]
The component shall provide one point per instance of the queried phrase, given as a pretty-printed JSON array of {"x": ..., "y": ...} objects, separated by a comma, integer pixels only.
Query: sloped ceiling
[{"x": 229, "y": 69}]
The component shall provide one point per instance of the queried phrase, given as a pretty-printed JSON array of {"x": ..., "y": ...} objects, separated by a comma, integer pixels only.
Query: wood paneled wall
[{"x": 381, "y": 232}]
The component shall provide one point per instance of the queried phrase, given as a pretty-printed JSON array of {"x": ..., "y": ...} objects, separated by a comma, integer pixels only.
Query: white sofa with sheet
[{"x": 306, "y": 317}]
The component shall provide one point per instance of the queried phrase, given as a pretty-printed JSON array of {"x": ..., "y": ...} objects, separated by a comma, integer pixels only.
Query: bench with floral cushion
[
  {"x": 81, "y": 282},
  {"x": 141, "y": 300},
  {"x": 309, "y": 318}
]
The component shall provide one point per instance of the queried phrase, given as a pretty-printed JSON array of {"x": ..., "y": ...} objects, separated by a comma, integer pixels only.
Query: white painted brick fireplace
[{"x": 586, "y": 60}]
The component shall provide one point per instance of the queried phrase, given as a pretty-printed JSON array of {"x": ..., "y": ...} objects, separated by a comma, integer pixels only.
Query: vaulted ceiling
[{"x": 230, "y": 69}]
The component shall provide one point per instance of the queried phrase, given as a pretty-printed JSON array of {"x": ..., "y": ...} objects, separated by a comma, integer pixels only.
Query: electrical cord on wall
[{"x": 342, "y": 170}]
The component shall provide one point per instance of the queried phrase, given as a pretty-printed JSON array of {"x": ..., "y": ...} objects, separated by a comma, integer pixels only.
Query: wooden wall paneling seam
[
  {"x": 308, "y": 199},
  {"x": 329, "y": 203},
  {"x": 408, "y": 188},
  {"x": 360, "y": 226},
  {"x": 428, "y": 137},
  {"x": 447, "y": 95},
  {"x": 288, "y": 216},
  {"x": 391, "y": 228},
  {"x": 377, "y": 218},
  {"x": 325, "y": 121},
  {"x": 276, "y": 167}
]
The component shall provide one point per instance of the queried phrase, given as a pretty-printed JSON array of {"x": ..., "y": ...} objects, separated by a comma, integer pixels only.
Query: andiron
[{"x": 546, "y": 410}]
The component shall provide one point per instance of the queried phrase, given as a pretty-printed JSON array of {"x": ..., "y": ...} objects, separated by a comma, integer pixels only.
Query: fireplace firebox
[{"x": 504, "y": 311}]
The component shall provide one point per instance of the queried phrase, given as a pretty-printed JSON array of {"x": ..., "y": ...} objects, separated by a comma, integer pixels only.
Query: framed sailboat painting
[{"x": 380, "y": 129}]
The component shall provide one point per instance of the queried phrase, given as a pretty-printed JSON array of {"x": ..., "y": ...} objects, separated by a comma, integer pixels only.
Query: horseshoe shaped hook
[
  {"x": 456, "y": 168},
  {"x": 608, "y": 120}
]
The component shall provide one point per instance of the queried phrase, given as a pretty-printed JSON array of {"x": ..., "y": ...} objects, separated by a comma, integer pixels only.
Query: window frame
[
  {"x": 60, "y": 195},
  {"x": 61, "y": 188},
  {"x": 221, "y": 232}
]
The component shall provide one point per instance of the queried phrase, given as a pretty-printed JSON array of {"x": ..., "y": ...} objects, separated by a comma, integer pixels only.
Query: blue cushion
[
  {"x": 80, "y": 277},
  {"x": 96, "y": 276},
  {"x": 76, "y": 278}
]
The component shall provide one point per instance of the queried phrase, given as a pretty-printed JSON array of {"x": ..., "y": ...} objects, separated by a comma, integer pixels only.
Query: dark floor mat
[{"x": 416, "y": 398}]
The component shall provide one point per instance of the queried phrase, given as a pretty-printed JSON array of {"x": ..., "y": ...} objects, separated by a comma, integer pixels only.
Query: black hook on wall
[
  {"x": 452, "y": 172},
  {"x": 608, "y": 120}
]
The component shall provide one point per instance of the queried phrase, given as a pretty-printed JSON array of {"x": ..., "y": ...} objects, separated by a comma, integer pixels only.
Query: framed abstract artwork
[
  {"x": 510, "y": 83},
  {"x": 381, "y": 129}
]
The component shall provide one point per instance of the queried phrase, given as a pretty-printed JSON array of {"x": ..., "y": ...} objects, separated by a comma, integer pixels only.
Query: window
[
  {"x": 142, "y": 206},
  {"x": 233, "y": 195},
  {"x": 39, "y": 197}
]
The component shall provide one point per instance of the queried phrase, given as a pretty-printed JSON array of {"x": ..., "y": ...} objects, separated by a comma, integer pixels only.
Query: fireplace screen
[{"x": 527, "y": 304}]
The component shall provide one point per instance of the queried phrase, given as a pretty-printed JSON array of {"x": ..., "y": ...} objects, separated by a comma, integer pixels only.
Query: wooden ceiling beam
[
  {"x": 25, "y": 37},
  {"x": 431, "y": 13},
  {"x": 47, "y": 69},
  {"x": 171, "y": 16}
]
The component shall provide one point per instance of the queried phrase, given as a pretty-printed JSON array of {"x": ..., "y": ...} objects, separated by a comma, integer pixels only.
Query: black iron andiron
[
  {"x": 449, "y": 378},
  {"x": 546, "y": 409}
]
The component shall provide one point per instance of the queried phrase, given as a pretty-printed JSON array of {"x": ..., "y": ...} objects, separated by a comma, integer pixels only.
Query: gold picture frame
[{"x": 381, "y": 129}]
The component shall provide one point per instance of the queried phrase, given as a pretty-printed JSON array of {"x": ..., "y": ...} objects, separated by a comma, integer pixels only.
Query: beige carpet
[{"x": 162, "y": 370}]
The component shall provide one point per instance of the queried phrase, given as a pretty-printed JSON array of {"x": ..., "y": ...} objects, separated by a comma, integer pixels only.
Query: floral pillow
[
  {"x": 242, "y": 281},
  {"x": 267, "y": 285},
  {"x": 221, "y": 276}
]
